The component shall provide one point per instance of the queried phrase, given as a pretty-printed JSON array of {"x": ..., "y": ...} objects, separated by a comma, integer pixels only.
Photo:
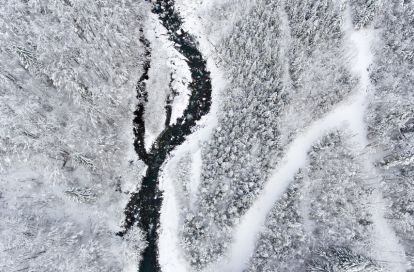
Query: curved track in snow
[{"x": 348, "y": 115}]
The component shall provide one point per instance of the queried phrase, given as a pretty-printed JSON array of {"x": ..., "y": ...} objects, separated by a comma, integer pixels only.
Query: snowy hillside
[
  {"x": 207, "y": 135},
  {"x": 68, "y": 71}
]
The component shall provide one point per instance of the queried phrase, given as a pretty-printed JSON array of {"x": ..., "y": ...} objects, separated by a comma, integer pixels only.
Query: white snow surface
[
  {"x": 350, "y": 113},
  {"x": 196, "y": 167},
  {"x": 387, "y": 249},
  {"x": 66, "y": 138},
  {"x": 166, "y": 62},
  {"x": 347, "y": 115},
  {"x": 170, "y": 254},
  {"x": 251, "y": 223}
]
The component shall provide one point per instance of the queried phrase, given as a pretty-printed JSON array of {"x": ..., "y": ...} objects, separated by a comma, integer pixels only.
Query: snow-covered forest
[{"x": 207, "y": 135}]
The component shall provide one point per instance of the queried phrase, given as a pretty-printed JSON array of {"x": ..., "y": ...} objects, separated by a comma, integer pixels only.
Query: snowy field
[{"x": 207, "y": 135}]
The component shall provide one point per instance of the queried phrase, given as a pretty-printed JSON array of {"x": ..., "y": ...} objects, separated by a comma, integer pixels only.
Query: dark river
[{"x": 144, "y": 206}]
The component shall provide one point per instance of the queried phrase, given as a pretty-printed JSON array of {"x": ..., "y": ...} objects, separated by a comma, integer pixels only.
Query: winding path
[
  {"x": 144, "y": 206},
  {"x": 347, "y": 115}
]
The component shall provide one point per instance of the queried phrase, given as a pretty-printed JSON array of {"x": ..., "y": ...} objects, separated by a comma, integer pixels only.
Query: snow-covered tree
[{"x": 68, "y": 73}]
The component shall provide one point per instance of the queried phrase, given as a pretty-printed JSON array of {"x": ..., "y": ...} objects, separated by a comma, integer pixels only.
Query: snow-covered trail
[
  {"x": 387, "y": 249},
  {"x": 295, "y": 157},
  {"x": 350, "y": 113}
]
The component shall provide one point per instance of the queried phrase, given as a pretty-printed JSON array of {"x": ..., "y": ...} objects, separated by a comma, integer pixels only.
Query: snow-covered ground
[
  {"x": 348, "y": 115},
  {"x": 67, "y": 74},
  {"x": 303, "y": 163},
  {"x": 168, "y": 70},
  {"x": 172, "y": 257}
]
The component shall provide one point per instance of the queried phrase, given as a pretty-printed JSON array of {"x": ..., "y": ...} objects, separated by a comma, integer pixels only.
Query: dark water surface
[{"x": 144, "y": 206}]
